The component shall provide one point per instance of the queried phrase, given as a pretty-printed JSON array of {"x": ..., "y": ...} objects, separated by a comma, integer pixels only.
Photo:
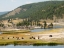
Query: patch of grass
[
  {"x": 49, "y": 44},
  {"x": 23, "y": 42},
  {"x": 28, "y": 42},
  {"x": 15, "y": 31}
]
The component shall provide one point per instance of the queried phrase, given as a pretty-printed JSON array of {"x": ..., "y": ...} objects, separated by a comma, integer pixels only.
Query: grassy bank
[
  {"x": 15, "y": 31},
  {"x": 49, "y": 44},
  {"x": 29, "y": 43}
]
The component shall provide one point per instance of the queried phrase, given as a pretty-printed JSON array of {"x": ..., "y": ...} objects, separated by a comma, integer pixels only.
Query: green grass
[
  {"x": 15, "y": 31},
  {"x": 28, "y": 42},
  {"x": 49, "y": 44}
]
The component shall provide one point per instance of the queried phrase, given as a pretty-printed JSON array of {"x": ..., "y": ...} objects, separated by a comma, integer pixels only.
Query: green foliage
[
  {"x": 25, "y": 22},
  {"x": 1, "y": 25},
  {"x": 50, "y": 25},
  {"x": 42, "y": 44},
  {"x": 41, "y": 10},
  {"x": 45, "y": 24}
]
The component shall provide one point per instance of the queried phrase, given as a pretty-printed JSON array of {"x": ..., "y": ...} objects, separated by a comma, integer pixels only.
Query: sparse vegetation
[
  {"x": 45, "y": 24},
  {"x": 15, "y": 31},
  {"x": 49, "y": 44},
  {"x": 1, "y": 25},
  {"x": 41, "y": 10}
]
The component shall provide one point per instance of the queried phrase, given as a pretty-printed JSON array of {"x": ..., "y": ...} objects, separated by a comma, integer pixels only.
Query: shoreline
[
  {"x": 51, "y": 36},
  {"x": 30, "y": 43}
]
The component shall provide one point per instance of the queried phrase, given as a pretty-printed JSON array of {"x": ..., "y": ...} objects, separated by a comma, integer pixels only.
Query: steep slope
[{"x": 37, "y": 11}]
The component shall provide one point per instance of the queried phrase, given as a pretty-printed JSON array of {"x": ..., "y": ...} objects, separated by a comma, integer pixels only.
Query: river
[
  {"x": 54, "y": 27},
  {"x": 12, "y": 46}
]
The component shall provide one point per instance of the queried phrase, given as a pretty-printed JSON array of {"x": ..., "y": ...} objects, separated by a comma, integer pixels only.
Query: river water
[
  {"x": 12, "y": 46},
  {"x": 54, "y": 27}
]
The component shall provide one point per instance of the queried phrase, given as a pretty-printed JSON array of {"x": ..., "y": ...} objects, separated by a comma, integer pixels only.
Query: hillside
[
  {"x": 1, "y": 13},
  {"x": 37, "y": 11}
]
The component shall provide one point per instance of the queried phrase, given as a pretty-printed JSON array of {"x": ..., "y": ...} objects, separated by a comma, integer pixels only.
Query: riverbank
[
  {"x": 29, "y": 38},
  {"x": 10, "y": 31},
  {"x": 29, "y": 42}
]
